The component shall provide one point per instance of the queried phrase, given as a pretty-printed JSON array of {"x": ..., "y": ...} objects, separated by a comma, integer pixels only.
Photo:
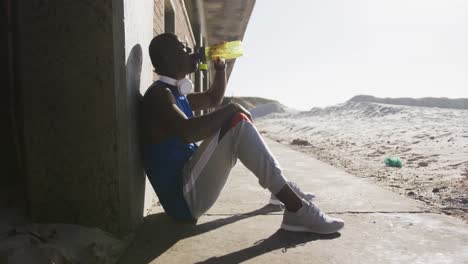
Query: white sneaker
[
  {"x": 310, "y": 219},
  {"x": 305, "y": 195}
]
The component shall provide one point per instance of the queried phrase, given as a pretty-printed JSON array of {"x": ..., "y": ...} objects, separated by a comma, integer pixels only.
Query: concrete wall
[
  {"x": 70, "y": 124},
  {"x": 12, "y": 180},
  {"x": 182, "y": 22},
  {"x": 138, "y": 35},
  {"x": 183, "y": 28},
  {"x": 81, "y": 67},
  {"x": 158, "y": 17}
]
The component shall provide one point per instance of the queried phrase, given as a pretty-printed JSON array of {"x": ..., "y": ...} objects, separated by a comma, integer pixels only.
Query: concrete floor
[{"x": 381, "y": 226}]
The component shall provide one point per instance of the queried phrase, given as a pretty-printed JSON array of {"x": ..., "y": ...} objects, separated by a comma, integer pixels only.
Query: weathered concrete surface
[
  {"x": 66, "y": 61},
  {"x": 381, "y": 227},
  {"x": 81, "y": 66},
  {"x": 137, "y": 25}
]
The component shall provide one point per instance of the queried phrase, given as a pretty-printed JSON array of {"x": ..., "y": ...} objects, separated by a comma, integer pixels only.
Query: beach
[{"x": 431, "y": 142}]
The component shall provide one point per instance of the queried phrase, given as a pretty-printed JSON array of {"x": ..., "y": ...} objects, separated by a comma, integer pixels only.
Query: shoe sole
[{"x": 305, "y": 229}]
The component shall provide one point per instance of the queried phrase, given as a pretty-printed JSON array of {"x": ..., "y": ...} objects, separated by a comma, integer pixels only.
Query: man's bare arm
[
  {"x": 214, "y": 96},
  {"x": 196, "y": 128}
]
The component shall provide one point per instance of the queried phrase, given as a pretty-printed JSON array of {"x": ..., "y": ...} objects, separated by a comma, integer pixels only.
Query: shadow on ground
[
  {"x": 159, "y": 233},
  {"x": 280, "y": 239}
]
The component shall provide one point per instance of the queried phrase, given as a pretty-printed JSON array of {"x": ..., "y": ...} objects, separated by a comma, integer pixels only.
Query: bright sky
[{"x": 307, "y": 53}]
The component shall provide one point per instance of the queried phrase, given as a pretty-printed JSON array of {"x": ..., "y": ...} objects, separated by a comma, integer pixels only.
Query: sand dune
[
  {"x": 441, "y": 102},
  {"x": 363, "y": 109},
  {"x": 270, "y": 108},
  {"x": 258, "y": 106},
  {"x": 358, "y": 135},
  {"x": 249, "y": 102}
]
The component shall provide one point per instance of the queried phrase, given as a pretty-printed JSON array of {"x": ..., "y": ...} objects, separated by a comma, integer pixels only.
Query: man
[{"x": 188, "y": 179}]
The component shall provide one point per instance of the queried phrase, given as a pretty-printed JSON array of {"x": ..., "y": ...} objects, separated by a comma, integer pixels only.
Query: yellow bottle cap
[{"x": 203, "y": 66}]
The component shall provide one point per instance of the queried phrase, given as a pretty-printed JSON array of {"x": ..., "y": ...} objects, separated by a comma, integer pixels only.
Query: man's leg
[
  {"x": 207, "y": 171},
  {"x": 206, "y": 174}
]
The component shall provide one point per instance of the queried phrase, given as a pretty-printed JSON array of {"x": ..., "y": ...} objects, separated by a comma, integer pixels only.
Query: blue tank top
[{"x": 164, "y": 162}]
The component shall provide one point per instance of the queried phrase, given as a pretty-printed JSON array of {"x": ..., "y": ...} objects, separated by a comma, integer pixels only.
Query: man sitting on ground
[{"x": 188, "y": 178}]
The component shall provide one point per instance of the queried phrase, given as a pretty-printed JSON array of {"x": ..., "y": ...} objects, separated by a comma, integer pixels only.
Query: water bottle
[
  {"x": 227, "y": 50},
  {"x": 393, "y": 162}
]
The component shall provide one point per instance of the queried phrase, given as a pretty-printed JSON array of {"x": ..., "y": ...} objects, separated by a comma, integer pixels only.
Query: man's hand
[
  {"x": 220, "y": 64},
  {"x": 214, "y": 96}
]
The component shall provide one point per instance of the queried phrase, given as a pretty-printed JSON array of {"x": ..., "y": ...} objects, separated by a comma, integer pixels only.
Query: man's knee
[{"x": 237, "y": 118}]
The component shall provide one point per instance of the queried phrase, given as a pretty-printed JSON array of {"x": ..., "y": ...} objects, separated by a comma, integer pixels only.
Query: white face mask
[{"x": 184, "y": 86}]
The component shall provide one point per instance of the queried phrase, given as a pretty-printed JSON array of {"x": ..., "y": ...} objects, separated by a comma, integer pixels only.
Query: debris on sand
[
  {"x": 423, "y": 164},
  {"x": 393, "y": 162},
  {"x": 300, "y": 142},
  {"x": 465, "y": 173}
]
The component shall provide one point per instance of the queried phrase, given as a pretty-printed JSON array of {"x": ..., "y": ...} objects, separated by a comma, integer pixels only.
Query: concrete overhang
[{"x": 219, "y": 20}]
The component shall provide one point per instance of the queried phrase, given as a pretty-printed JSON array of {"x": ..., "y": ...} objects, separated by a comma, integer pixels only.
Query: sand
[{"x": 357, "y": 136}]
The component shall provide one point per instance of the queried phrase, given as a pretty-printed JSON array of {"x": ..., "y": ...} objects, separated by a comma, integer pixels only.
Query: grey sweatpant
[{"x": 206, "y": 173}]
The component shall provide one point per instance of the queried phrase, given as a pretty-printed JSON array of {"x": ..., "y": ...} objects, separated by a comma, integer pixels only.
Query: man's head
[{"x": 171, "y": 57}]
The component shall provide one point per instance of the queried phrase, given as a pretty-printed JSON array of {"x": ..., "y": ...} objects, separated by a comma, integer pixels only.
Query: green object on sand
[{"x": 393, "y": 162}]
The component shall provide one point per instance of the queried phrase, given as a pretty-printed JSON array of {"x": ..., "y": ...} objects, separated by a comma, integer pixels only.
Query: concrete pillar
[
  {"x": 12, "y": 180},
  {"x": 81, "y": 67}
]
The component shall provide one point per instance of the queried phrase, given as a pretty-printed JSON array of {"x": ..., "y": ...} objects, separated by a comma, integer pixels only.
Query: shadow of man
[
  {"x": 159, "y": 233},
  {"x": 280, "y": 239},
  {"x": 134, "y": 99}
]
